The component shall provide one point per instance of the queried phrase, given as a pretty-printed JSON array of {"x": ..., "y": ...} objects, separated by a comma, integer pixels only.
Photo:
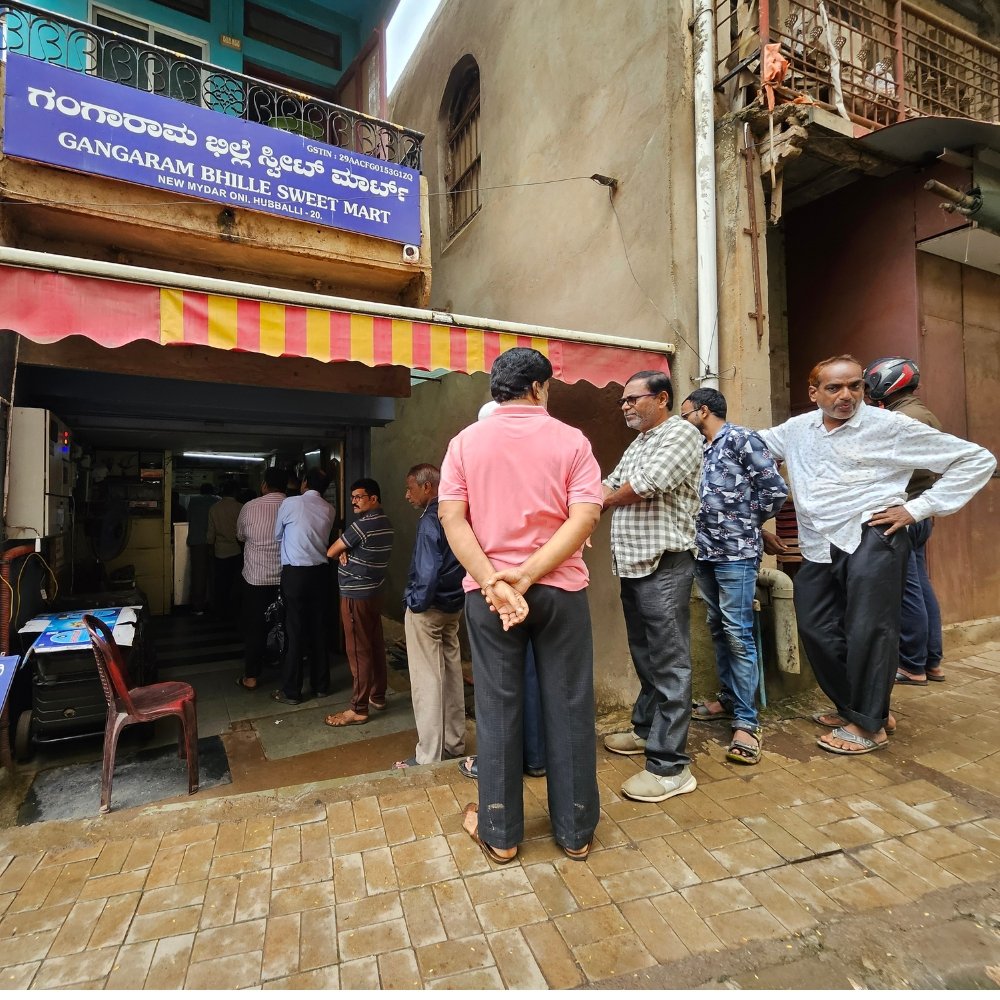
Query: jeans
[
  {"x": 728, "y": 590},
  {"x": 920, "y": 647},
  {"x": 658, "y": 622}
]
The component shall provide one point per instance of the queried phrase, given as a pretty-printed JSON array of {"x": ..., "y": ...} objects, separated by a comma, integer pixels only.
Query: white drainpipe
[
  {"x": 786, "y": 634},
  {"x": 703, "y": 27}
]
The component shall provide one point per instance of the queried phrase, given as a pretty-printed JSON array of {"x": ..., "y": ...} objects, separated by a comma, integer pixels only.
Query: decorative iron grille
[
  {"x": 878, "y": 61},
  {"x": 85, "y": 48}
]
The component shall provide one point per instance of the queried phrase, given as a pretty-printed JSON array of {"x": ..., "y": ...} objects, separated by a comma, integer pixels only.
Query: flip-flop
[
  {"x": 280, "y": 697},
  {"x": 936, "y": 678},
  {"x": 581, "y": 855},
  {"x": 700, "y": 713},
  {"x": 409, "y": 762},
  {"x": 819, "y": 718},
  {"x": 488, "y": 849},
  {"x": 346, "y": 722},
  {"x": 863, "y": 742},
  {"x": 379, "y": 706},
  {"x": 902, "y": 678},
  {"x": 468, "y": 767},
  {"x": 241, "y": 682}
]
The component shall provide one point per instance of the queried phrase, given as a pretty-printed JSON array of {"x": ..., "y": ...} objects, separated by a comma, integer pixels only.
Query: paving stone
[
  {"x": 253, "y": 898},
  {"x": 515, "y": 961},
  {"x": 867, "y": 894},
  {"x": 516, "y": 911},
  {"x": 231, "y": 972},
  {"x": 422, "y": 917},
  {"x": 380, "y": 873},
  {"x": 854, "y": 832},
  {"x": 582, "y": 883},
  {"x": 259, "y": 832},
  {"x": 166, "y": 864},
  {"x": 112, "y": 859},
  {"x": 449, "y": 958},
  {"x": 974, "y": 866},
  {"x": 553, "y": 956},
  {"x": 937, "y": 844},
  {"x": 427, "y": 872},
  {"x": 286, "y": 847},
  {"x": 151, "y": 926},
  {"x": 229, "y": 838},
  {"x": 360, "y": 975},
  {"x": 618, "y": 859},
  {"x": 550, "y": 889},
  {"x": 302, "y": 897},
  {"x": 424, "y": 819},
  {"x": 614, "y": 957},
  {"x": 369, "y": 910},
  {"x": 115, "y": 919},
  {"x": 420, "y": 850},
  {"x": 401, "y": 798},
  {"x": 131, "y": 966},
  {"x": 70, "y": 882},
  {"x": 315, "y": 841},
  {"x": 480, "y": 979},
  {"x": 18, "y": 977},
  {"x": 71, "y": 969},
  {"x": 23, "y": 922},
  {"x": 313, "y": 813},
  {"x": 173, "y": 897},
  {"x": 36, "y": 887},
  {"x": 197, "y": 862},
  {"x": 657, "y": 936},
  {"x": 340, "y": 819},
  {"x": 237, "y": 864},
  {"x": 718, "y": 897},
  {"x": 695, "y": 857},
  {"x": 389, "y": 935},
  {"x": 190, "y": 835},
  {"x": 713, "y": 836},
  {"x": 469, "y": 859},
  {"x": 736, "y": 929},
  {"x": 318, "y": 938},
  {"x": 77, "y": 928},
  {"x": 327, "y": 978},
  {"x": 141, "y": 853},
  {"x": 303, "y": 873},
  {"x": 169, "y": 967},
  {"x": 831, "y": 872},
  {"x": 750, "y": 856},
  {"x": 236, "y": 939},
  {"x": 893, "y": 824},
  {"x": 349, "y": 877},
  {"x": 443, "y": 801},
  {"x": 635, "y": 884},
  {"x": 27, "y": 947},
  {"x": 930, "y": 871},
  {"x": 695, "y": 934},
  {"x": 778, "y": 902},
  {"x": 113, "y": 885},
  {"x": 220, "y": 902},
  {"x": 909, "y": 883},
  {"x": 398, "y": 970},
  {"x": 777, "y": 838},
  {"x": 458, "y": 916},
  {"x": 367, "y": 815},
  {"x": 397, "y": 826},
  {"x": 89, "y": 852},
  {"x": 280, "y": 956},
  {"x": 587, "y": 926},
  {"x": 509, "y": 881},
  {"x": 355, "y": 843}
]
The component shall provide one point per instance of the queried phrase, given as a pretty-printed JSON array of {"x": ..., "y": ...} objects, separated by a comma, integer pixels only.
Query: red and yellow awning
[{"x": 46, "y": 306}]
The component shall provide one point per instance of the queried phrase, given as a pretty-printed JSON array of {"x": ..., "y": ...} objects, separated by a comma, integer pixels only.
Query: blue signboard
[
  {"x": 67, "y": 631},
  {"x": 57, "y": 116},
  {"x": 8, "y": 667}
]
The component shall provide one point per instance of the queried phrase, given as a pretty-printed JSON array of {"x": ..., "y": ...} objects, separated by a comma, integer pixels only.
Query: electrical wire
[{"x": 16, "y": 594}]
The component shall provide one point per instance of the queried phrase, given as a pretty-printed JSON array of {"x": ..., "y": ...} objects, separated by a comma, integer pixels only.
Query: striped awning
[{"x": 46, "y": 306}]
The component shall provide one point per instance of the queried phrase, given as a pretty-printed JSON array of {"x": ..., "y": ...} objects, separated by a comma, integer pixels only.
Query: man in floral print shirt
[{"x": 740, "y": 489}]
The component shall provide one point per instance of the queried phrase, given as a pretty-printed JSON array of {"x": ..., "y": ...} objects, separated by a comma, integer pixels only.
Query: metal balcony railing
[
  {"x": 881, "y": 61},
  {"x": 86, "y": 48}
]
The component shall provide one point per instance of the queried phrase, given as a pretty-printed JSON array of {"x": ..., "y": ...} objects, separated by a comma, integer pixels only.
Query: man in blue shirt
[
  {"x": 434, "y": 600},
  {"x": 302, "y": 527},
  {"x": 740, "y": 489}
]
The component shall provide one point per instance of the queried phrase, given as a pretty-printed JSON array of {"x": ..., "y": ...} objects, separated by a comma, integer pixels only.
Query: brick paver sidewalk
[{"x": 372, "y": 883}]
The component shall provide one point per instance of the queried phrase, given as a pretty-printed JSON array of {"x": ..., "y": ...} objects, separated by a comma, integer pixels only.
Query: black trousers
[
  {"x": 255, "y": 602},
  {"x": 848, "y": 617},
  {"x": 306, "y": 592},
  {"x": 558, "y": 628}
]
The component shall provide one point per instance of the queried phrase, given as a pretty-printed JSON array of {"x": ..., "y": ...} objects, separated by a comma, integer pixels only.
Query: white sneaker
[
  {"x": 648, "y": 787},
  {"x": 625, "y": 743}
]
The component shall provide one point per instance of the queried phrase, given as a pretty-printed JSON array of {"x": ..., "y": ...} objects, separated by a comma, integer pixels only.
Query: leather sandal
[{"x": 743, "y": 753}]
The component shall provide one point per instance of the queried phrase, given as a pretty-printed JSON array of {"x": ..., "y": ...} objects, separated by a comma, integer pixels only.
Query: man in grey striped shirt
[
  {"x": 363, "y": 553},
  {"x": 654, "y": 496}
]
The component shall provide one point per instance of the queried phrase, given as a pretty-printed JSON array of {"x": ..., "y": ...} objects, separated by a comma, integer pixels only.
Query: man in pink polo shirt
[{"x": 520, "y": 494}]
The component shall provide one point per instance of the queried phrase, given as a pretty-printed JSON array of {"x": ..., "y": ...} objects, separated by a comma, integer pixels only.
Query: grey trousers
[
  {"x": 848, "y": 614},
  {"x": 436, "y": 683},
  {"x": 658, "y": 622},
  {"x": 558, "y": 627}
]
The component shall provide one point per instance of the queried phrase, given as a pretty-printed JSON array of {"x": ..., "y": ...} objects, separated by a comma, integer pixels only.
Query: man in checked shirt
[{"x": 653, "y": 494}]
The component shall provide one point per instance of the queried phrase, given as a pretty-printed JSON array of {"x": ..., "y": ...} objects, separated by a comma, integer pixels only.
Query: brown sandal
[
  {"x": 488, "y": 849},
  {"x": 579, "y": 855}
]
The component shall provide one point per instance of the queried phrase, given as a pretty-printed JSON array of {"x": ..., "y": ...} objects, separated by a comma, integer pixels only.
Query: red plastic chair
[{"x": 127, "y": 704}]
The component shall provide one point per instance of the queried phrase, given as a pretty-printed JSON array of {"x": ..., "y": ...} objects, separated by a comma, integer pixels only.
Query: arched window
[{"x": 462, "y": 174}]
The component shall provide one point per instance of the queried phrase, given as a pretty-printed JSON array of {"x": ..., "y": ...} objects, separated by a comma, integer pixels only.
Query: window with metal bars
[{"x": 462, "y": 176}]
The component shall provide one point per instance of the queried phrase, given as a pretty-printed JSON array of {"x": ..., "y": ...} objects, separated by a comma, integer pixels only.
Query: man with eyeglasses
[
  {"x": 654, "y": 499},
  {"x": 740, "y": 490},
  {"x": 363, "y": 552},
  {"x": 850, "y": 465}
]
